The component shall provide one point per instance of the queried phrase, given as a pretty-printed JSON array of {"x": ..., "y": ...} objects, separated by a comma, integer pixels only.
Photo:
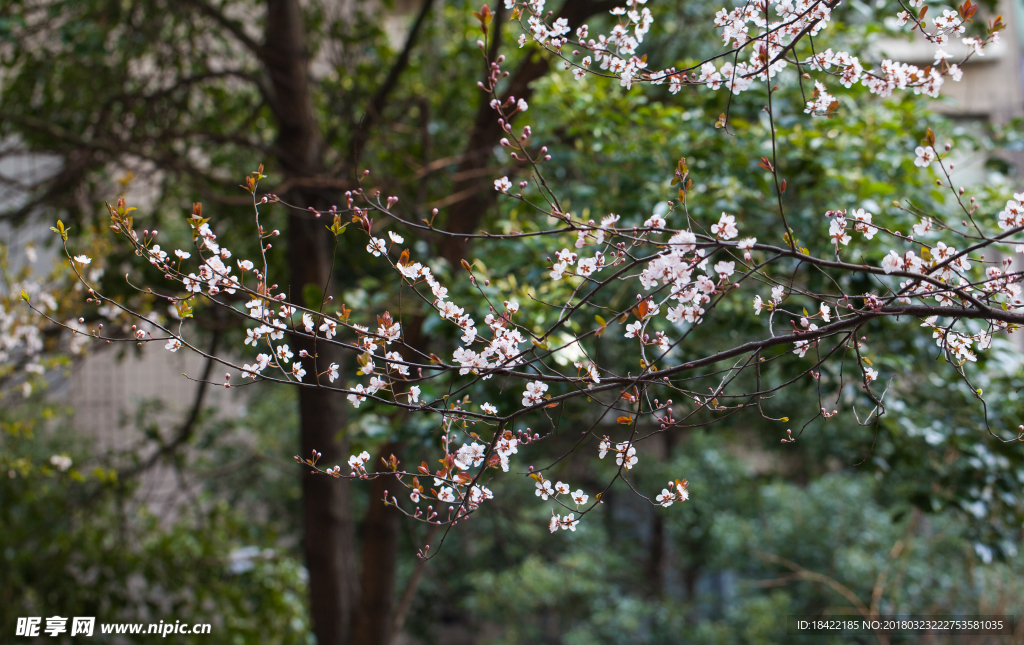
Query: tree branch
[
  {"x": 188, "y": 427},
  {"x": 232, "y": 26},
  {"x": 376, "y": 105}
]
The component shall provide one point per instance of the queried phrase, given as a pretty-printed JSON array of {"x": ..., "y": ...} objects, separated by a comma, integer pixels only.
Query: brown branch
[
  {"x": 232, "y": 26},
  {"x": 829, "y": 582},
  {"x": 188, "y": 427},
  {"x": 405, "y": 602}
]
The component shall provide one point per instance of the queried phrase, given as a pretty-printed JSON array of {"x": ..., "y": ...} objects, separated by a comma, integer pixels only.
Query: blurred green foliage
[
  {"x": 722, "y": 580},
  {"x": 78, "y": 541}
]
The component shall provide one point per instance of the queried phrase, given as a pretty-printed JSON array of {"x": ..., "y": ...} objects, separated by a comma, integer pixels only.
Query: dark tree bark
[
  {"x": 372, "y": 623},
  {"x": 329, "y": 542},
  {"x": 329, "y": 534}
]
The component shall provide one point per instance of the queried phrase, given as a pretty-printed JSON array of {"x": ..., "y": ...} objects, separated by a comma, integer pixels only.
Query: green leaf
[{"x": 61, "y": 230}]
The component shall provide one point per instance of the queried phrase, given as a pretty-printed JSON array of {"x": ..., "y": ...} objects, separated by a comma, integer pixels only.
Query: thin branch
[{"x": 380, "y": 97}]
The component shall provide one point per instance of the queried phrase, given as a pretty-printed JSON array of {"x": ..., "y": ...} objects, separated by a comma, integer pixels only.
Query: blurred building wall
[{"x": 119, "y": 392}]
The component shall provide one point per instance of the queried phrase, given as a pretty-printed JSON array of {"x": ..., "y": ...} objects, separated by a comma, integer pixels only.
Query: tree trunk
[
  {"x": 328, "y": 526},
  {"x": 327, "y": 522},
  {"x": 373, "y": 622}
]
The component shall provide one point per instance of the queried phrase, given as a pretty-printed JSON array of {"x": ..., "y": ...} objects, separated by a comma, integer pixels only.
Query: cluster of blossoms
[
  {"x": 357, "y": 463},
  {"x": 214, "y": 274},
  {"x": 615, "y": 52},
  {"x": 567, "y": 523},
  {"x": 30, "y": 343},
  {"x": 840, "y": 225},
  {"x": 656, "y": 276},
  {"x": 501, "y": 350},
  {"x": 677, "y": 491},
  {"x": 212, "y": 277},
  {"x": 625, "y": 453},
  {"x": 1012, "y": 216},
  {"x": 773, "y": 38},
  {"x": 769, "y": 30},
  {"x": 534, "y": 393},
  {"x": 544, "y": 490},
  {"x": 21, "y": 333},
  {"x": 958, "y": 344}
]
